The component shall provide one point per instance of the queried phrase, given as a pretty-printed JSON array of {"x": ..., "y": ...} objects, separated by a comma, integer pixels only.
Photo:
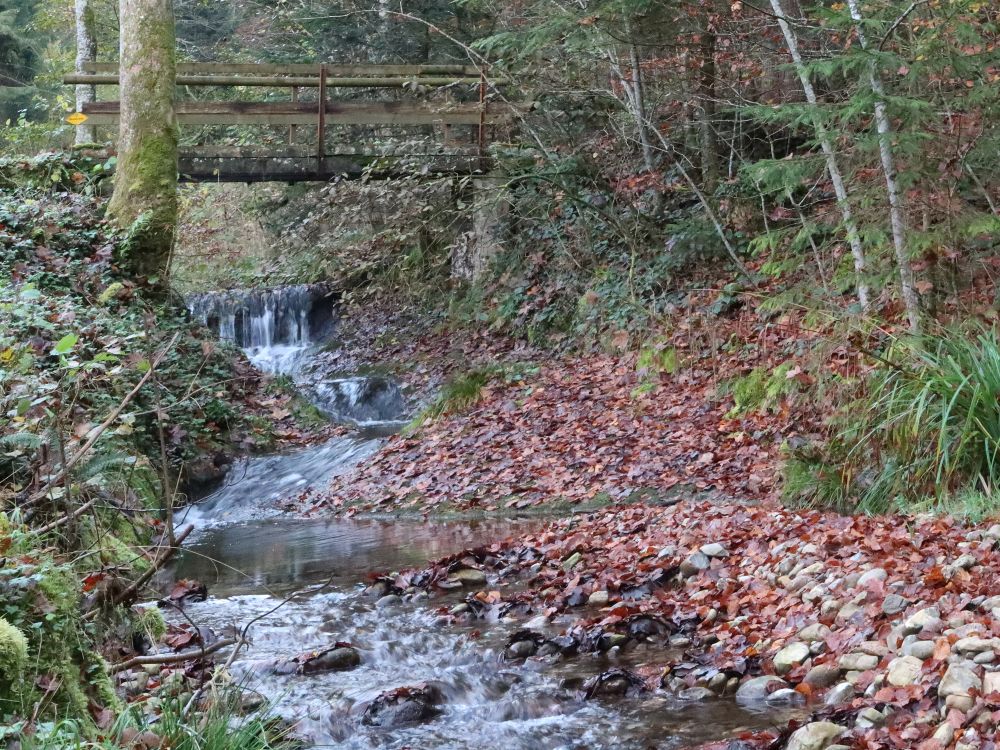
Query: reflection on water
[{"x": 282, "y": 554}]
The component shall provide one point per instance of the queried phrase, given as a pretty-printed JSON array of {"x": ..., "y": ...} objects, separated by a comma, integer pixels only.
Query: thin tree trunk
[
  {"x": 86, "y": 52},
  {"x": 897, "y": 217},
  {"x": 850, "y": 226},
  {"x": 639, "y": 106},
  {"x": 146, "y": 174},
  {"x": 706, "y": 86}
]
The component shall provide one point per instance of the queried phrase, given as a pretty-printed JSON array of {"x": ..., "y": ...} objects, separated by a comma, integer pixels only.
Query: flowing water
[{"x": 301, "y": 583}]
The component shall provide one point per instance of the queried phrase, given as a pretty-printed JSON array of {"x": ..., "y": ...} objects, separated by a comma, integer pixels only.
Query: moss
[
  {"x": 13, "y": 664},
  {"x": 149, "y": 621}
]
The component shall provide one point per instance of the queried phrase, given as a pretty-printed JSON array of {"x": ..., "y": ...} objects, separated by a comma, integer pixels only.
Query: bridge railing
[{"x": 324, "y": 111}]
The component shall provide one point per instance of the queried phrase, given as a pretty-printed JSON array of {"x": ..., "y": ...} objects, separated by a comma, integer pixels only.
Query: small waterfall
[{"x": 273, "y": 326}]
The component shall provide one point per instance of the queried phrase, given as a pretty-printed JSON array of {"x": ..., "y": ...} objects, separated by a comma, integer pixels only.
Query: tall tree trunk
[
  {"x": 706, "y": 92},
  {"x": 826, "y": 143},
  {"x": 897, "y": 217},
  {"x": 639, "y": 106},
  {"x": 146, "y": 175},
  {"x": 86, "y": 52}
]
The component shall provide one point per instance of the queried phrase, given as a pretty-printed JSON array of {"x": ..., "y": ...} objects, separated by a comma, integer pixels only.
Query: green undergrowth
[
  {"x": 922, "y": 434},
  {"x": 215, "y": 729}
]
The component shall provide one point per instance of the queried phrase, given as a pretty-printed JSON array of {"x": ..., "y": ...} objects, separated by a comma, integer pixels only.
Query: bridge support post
[{"x": 490, "y": 207}]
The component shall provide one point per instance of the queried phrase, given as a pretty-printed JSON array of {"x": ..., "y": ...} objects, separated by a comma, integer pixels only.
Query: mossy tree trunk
[
  {"x": 86, "y": 52},
  {"x": 145, "y": 195}
]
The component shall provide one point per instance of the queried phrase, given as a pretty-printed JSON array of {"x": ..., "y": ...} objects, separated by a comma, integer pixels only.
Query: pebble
[
  {"x": 822, "y": 675},
  {"x": 894, "y": 604},
  {"x": 928, "y": 619},
  {"x": 714, "y": 550},
  {"x": 973, "y": 645},
  {"x": 790, "y": 656},
  {"x": 840, "y": 693},
  {"x": 991, "y": 683},
  {"x": 815, "y": 632},
  {"x": 944, "y": 734},
  {"x": 599, "y": 598},
  {"x": 572, "y": 560},
  {"x": 875, "y": 574},
  {"x": 959, "y": 681},
  {"x": 919, "y": 649},
  {"x": 785, "y": 697},
  {"x": 904, "y": 670},
  {"x": 817, "y": 735},
  {"x": 870, "y": 717},
  {"x": 694, "y": 564},
  {"x": 858, "y": 662},
  {"x": 755, "y": 690}
]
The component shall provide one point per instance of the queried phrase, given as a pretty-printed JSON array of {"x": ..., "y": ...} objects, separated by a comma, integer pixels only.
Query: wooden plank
[
  {"x": 111, "y": 79},
  {"x": 300, "y": 69},
  {"x": 304, "y": 113}
]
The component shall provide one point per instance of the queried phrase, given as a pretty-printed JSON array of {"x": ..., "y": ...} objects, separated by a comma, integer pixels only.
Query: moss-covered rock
[{"x": 13, "y": 665}]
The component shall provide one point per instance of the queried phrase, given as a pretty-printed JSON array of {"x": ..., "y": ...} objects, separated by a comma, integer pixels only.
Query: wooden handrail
[
  {"x": 111, "y": 79},
  {"x": 304, "y": 69}
]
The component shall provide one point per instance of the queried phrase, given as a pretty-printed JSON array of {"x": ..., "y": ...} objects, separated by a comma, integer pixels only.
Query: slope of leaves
[{"x": 603, "y": 427}]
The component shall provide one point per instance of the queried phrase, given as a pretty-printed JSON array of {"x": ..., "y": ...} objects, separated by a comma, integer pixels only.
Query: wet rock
[
  {"x": 340, "y": 658},
  {"x": 412, "y": 704},
  {"x": 786, "y": 697},
  {"x": 840, "y": 693},
  {"x": 714, "y": 550},
  {"x": 755, "y": 690},
  {"x": 614, "y": 682},
  {"x": 790, "y": 656},
  {"x": 822, "y": 675},
  {"x": 469, "y": 577},
  {"x": 522, "y": 644},
  {"x": 960, "y": 681},
  {"x": 818, "y": 735},
  {"x": 646, "y": 626},
  {"x": 694, "y": 564},
  {"x": 695, "y": 694},
  {"x": 389, "y": 600},
  {"x": 904, "y": 670}
]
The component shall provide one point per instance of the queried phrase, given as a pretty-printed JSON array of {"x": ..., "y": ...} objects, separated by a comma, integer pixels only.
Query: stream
[{"x": 252, "y": 556}]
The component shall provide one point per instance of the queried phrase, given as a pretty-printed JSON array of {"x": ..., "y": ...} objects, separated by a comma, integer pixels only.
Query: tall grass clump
[{"x": 925, "y": 435}]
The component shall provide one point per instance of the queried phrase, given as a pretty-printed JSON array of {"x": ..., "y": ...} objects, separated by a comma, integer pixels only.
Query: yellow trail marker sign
[{"x": 77, "y": 118}]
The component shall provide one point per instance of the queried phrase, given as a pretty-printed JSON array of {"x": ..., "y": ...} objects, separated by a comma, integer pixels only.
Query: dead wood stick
[
  {"x": 99, "y": 430},
  {"x": 67, "y": 518},
  {"x": 196, "y": 653}
]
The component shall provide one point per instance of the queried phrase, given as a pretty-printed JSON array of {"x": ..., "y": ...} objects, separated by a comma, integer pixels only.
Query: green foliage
[{"x": 761, "y": 389}]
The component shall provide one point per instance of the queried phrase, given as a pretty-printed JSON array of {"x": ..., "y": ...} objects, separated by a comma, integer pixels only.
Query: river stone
[
  {"x": 337, "y": 659},
  {"x": 599, "y": 598},
  {"x": 755, "y": 690},
  {"x": 871, "y": 576},
  {"x": 790, "y": 656},
  {"x": 840, "y": 693},
  {"x": 695, "y": 694},
  {"x": 714, "y": 550},
  {"x": 817, "y": 735},
  {"x": 786, "y": 697},
  {"x": 894, "y": 604},
  {"x": 858, "y": 662},
  {"x": 694, "y": 564},
  {"x": 389, "y": 600},
  {"x": 904, "y": 670},
  {"x": 991, "y": 683},
  {"x": 521, "y": 649},
  {"x": 822, "y": 675},
  {"x": 815, "y": 632},
  {"x": 944, "y": 734},
  {"x": 870, "y": 717},
  {"x": 469, "y": 577},
  {"x": 973, "y": 645},
  {"x": 926, "y": 619},
  {"x": 960, "y": 681},
  {"x": 919, "y": 649}
]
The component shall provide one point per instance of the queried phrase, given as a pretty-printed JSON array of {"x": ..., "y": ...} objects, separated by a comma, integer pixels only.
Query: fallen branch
[
  {"x": 196, "y": 653},
  {"x": 67, "y": 518},
  {"x": 133, "y": 589},
  {"x": 100, "y": 429}
]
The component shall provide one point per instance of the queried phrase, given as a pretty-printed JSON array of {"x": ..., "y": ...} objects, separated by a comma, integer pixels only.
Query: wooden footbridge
[{"x": 439, "y": 121}]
